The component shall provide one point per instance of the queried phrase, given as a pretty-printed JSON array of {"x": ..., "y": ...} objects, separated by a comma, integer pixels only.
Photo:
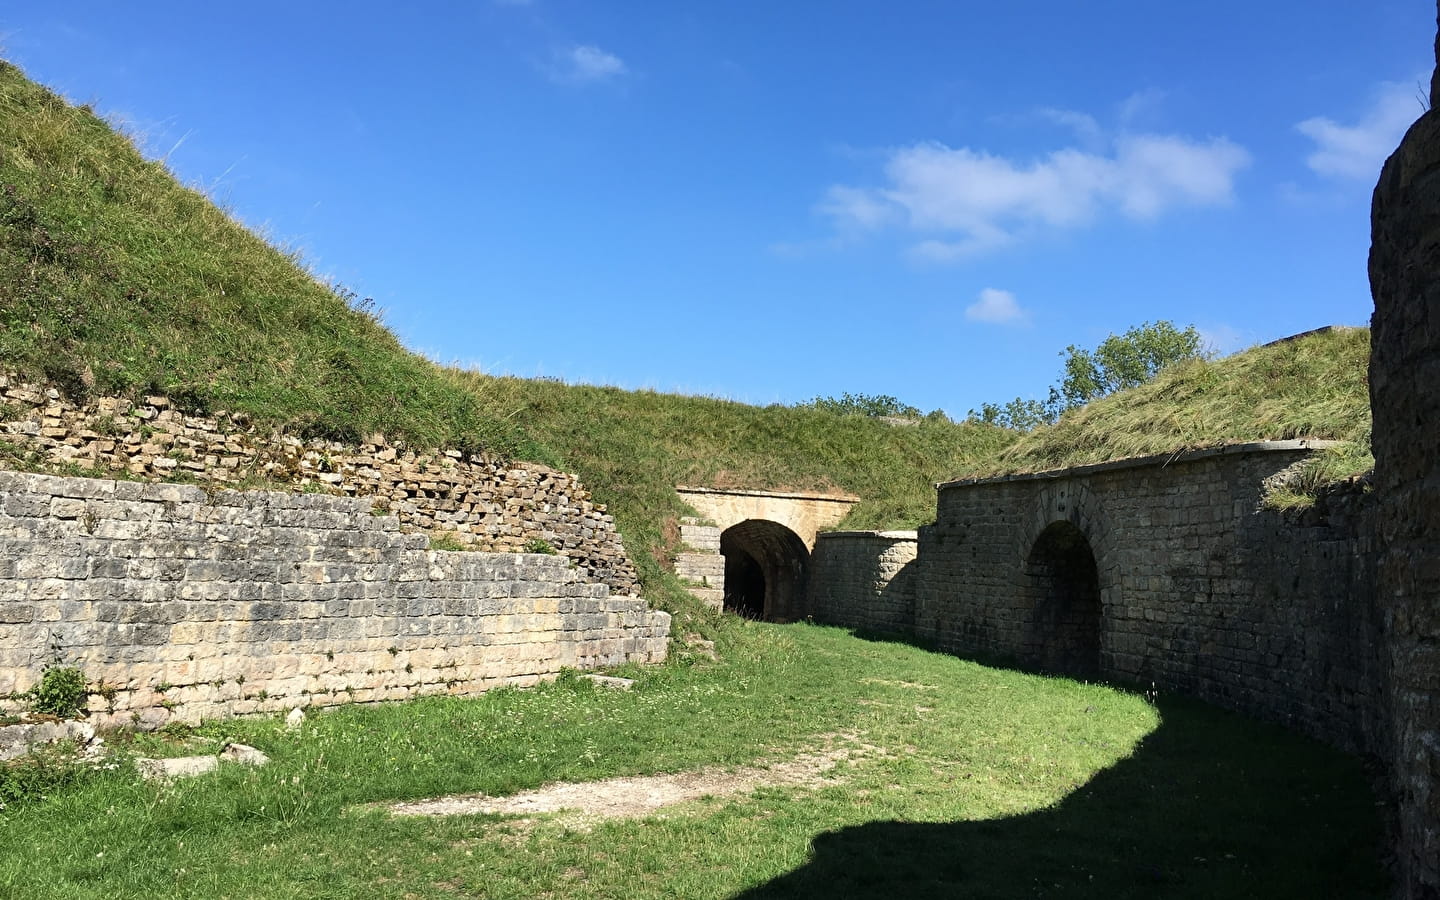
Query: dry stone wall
[
  {"x": 190, "y": 604},
  {"x": 481, "y": 503},
  {"x": 1405, "y": 401},
  {"x": 864, "y": 579}
]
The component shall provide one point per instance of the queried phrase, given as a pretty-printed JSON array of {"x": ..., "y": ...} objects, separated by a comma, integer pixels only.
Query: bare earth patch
[{"x": 634, "y": 797}]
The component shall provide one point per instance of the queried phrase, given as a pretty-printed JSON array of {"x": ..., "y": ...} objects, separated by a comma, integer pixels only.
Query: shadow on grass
[{"x": 1209, "y": 805}]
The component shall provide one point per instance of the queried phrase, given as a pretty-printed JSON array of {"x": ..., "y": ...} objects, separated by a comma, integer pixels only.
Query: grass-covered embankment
[
  {"x": 975, "y": 782},
  {"x": 115, "y": 279},
  {"x": 1314, "y": 386},
  {"x": 633, "y": 447}
]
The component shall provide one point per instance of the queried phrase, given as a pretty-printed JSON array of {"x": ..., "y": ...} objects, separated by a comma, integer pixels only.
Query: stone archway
[
  {"x": 766, "y": 567},
  {"x": 762, "y": 567},
  {"x": 1062, "y": 582}
]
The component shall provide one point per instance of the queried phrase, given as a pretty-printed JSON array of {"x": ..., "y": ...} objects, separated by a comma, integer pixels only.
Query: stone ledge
[
  {"x": 1158, "y": 459},
  {"x": 779, "y": 495},
  {"x": 883, "y": 535}
]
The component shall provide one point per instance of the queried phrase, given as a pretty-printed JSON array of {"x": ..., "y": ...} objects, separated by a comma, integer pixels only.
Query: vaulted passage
[
  {"x": 766, "y": 565},
  {"x": 1063, "y": 634}
]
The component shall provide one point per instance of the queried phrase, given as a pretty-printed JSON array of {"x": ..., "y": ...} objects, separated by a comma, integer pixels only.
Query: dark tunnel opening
[
  {"x": 766, "y": 566},
  {"x": 1065, "y": 614}
]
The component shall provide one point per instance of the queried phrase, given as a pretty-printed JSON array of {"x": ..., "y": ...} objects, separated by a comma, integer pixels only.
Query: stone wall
[
  {"x": 480, "y": 503},
  {"x": 188, "y": 604},
  {"x": 864, "y": 579},
  {"x": 1405, "y": 401},
  {"x": 699, "y": 563},
  {"x": 1192, "y": 586}
]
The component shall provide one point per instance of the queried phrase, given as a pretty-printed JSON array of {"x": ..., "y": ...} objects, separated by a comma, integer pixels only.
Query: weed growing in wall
[
  {"x": 446, "y": 541},
  {"x": 61, "y": 690}
]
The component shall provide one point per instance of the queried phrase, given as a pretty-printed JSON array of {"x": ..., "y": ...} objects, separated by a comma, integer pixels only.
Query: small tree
[
  {"x": 1124, "y": 361},
  {"x": 1119, "y": 362}
]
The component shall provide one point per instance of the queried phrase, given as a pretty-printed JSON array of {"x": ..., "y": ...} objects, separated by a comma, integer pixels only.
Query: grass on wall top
[{"x": 1315, "y": 386}]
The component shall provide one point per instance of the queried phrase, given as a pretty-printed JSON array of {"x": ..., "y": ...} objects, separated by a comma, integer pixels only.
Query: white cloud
[
  {"x": 997, "y": 308},
  {"x": 965, "y": 202},
  {"x": 586, "y": 63},
  {"x": 1359, "y": 150}
]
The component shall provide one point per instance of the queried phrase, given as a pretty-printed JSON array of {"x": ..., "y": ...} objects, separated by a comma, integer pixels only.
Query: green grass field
[{"x": 979, "y": 782}]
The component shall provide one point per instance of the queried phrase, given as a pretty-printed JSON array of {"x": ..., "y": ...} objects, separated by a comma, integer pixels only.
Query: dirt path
[{"x": 634, "y": 797}]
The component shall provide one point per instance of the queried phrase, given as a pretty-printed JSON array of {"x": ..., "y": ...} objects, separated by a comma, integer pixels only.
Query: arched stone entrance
[
  {"x": 761, "y": 569},
  {"x": 1063, "y": 587},
  {"x": 766, "y": 565}
]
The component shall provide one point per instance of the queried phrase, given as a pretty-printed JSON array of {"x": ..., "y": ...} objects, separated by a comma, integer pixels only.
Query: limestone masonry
[
  {"x": 1405, "y": 400},
  {"x": 864, "y": 579},
  {"x": 190, "y": 604},
  {"x": 480, "y": 503},
  {"x": 1164, "y": 570}
]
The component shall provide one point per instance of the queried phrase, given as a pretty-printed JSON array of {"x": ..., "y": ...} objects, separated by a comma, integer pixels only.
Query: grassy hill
[
  {"x": 117, "y": 280},
  {"x": 114, "y": 279}
]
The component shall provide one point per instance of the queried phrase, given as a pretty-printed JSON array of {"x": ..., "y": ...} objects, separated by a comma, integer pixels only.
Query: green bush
[{"x": 61, "y": 692}]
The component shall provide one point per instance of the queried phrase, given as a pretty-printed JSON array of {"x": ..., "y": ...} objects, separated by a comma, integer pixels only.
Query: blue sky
[{"x": 771, "y": 201}]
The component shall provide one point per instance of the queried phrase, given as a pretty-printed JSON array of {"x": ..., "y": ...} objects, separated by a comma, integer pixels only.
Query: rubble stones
[
  {"x": 243, "y": 754},
  {"x": 20, "y": 738},
  {"x": 175, "y": 767},
  {"x": 481, "y": 503}
]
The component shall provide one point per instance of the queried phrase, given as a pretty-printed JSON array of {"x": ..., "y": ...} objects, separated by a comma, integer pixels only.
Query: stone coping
[
  {"x": 778, "y": 495},
  {"x": 1323, "y": 329},
  {"x": 886, "y": 535},
  {"x": 1158, "y": 459}
]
